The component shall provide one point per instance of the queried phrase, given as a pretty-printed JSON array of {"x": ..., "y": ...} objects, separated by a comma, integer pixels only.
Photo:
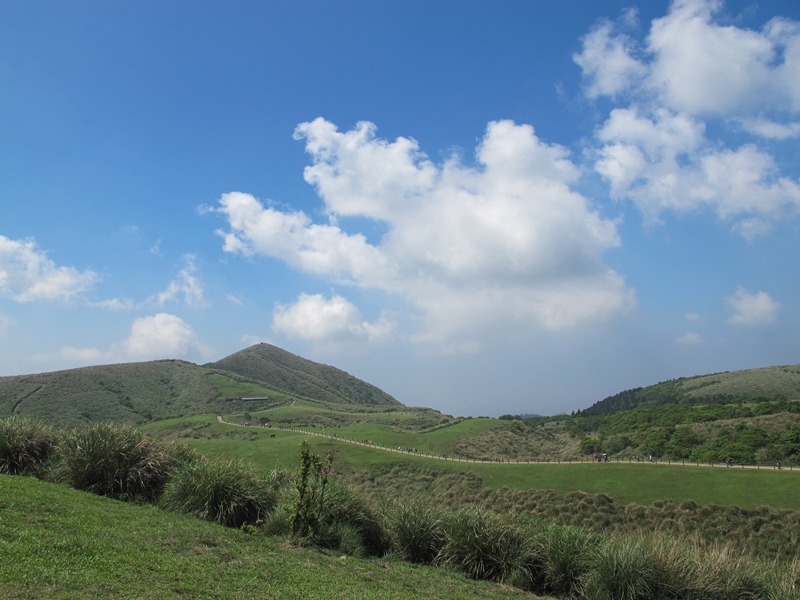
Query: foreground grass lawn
[{"x": 56, "y": 542}]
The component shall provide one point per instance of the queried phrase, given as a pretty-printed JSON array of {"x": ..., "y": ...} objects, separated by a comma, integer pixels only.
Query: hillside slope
[
  {"x": 749, "y": 416},
  {"x": 128, "y": 393},
  {"x": 61, "y": 543},
  {"x": 139, "y": 392},
  {"x": 291, "y": 373},
  {"x": 769, "y": 383}
]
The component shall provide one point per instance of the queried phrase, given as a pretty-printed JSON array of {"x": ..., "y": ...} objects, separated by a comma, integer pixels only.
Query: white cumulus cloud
[
  {"x": 26, "y": 274},
  {"x": 681, "y": 95},
  {"x": 752, "y": 309},
  {"x": 314, "y": 317},
  {"x": 506, "y": 240},
  {"x": 160, "y": 336}
]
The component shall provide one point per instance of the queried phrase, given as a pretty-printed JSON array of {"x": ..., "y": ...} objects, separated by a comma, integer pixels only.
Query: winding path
[{"x": 335, "y": 437}]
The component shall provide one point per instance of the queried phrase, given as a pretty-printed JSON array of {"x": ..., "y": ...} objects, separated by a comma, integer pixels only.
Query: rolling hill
[
  {"x": 139, "y": 392},
  {"x": 283, "y": 370},
  {"x": 769, "y": 383}
]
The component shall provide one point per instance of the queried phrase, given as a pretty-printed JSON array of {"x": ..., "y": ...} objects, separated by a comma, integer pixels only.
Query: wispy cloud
[{"x": 185, "y": 287}]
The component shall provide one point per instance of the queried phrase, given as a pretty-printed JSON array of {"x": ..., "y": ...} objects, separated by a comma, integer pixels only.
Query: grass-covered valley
[{"x": 325, "y": 466}]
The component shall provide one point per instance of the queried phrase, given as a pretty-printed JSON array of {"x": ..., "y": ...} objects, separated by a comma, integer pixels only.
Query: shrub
[
  {"x": 491, "y": 547},
  {"x": 26, "y": 446},
  {"x": 310, "y": 482},
  {"x": 222, "y": 491},
  {"x": 415, "y": 531},
  {"x": 116, "y": 461}
]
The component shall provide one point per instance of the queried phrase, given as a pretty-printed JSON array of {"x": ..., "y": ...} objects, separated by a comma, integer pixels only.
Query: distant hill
[
  {"x": 769, "y": 383},
  {"x": 744, "y": 416},
  {"x": 140, "y": 392},
  {"x": 286, "y": 371}
]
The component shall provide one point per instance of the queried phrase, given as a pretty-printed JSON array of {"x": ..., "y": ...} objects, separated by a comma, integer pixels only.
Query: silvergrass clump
[
  {"x": 415, "y": 530},
  {"x": 621, "y": 571},
  {"x": 491, "y": 547},
  {"x": 346, "y": 514},
  {"x": 26, "y": 446},
  {"x": 655, "y": 567},
  {"x": 567, "y": 554},
  {"x": 227, "y": 492},
  {"x": 117, "y": 461}
]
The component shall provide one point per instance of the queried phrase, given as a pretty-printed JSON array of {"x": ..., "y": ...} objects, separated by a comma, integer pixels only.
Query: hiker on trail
[{"x": 728, "y": 462}]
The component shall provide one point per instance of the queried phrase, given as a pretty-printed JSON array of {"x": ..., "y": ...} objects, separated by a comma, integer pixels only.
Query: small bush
[
  {"x": 26, "y": 446},
  {"x": 222, "y": 491},
  {"x": 117, "y": 461},
  {"x": 415, "y": 531}
]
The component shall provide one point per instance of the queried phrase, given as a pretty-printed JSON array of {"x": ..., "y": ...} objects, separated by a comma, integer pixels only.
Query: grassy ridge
[
  {"x": 61, "y": 543},
  {"x": 140, "y": 392},
  {"x": 127, "y": 393},
  {"x": 767, "y": 383},
  {"x": 299, "y": 376}
]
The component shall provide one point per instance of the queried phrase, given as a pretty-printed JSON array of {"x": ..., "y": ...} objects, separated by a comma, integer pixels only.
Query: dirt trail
[
  {"x": 28, "y": 395},
  {"x": 336, "y": 438}
]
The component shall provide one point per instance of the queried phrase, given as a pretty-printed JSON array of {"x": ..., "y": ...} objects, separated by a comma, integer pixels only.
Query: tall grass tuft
[
  {"x": 227, "y": 492},
  {"x": 621, "y": 571},
  {"x": 567, "y": 555},
  {"x": 491, "y": 547},
  {"x": 346, "y": 516},
  {"x": 26, "y": 446},
  {"x": 416, "y": 530},
  {"x": 661, "y": 567},
  {"x": 117, "y": 461}
]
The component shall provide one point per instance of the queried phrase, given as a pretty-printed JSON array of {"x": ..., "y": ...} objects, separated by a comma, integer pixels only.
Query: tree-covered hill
[
  {"x": 769, "y": 383},
  {"x": 139, "y": 392},
  {"x": 746, "y": 416}
]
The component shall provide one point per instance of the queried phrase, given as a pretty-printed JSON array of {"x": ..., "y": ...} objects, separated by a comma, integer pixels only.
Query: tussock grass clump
[
  {"x": 349, "y": 523},
  {"x": 415, "y": 530},
  {"x": 227, "y": 492},
  {"x": 117, "y": 461},
  {"x": 656, "y": 567},
  {"x": 492, "y": 547},
  {"x": 26, "y": 446},
  {"x": 567, "y": 554}
]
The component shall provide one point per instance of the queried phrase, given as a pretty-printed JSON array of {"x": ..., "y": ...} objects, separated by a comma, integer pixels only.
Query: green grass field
[
  {"x": 640, "y": 483},
  {"x": 56, "y": 542}
]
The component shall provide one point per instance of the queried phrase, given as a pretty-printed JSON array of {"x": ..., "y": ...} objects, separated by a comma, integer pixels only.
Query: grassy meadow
[
  {"x": 510, "y": 500},
  {"x": 61, "y": 543},
  {"x": 640, "y": 483}
]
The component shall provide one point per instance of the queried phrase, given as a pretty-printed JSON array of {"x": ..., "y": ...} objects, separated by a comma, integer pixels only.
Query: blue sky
[{"x": 482, "y": 207}]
